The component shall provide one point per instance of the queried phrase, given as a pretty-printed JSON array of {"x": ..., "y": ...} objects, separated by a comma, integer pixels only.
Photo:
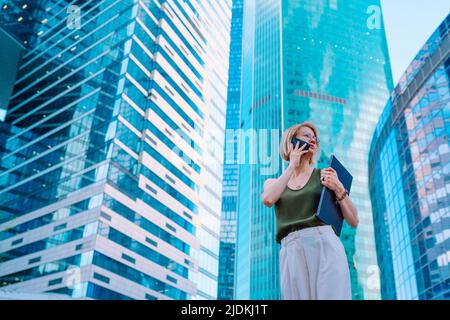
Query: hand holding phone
[
  {"x": 302, "y": 142},
  {"x": 296, "y": 153}
]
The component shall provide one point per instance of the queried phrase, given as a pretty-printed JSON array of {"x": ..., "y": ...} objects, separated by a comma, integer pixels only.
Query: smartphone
[{"x": 302, "y": 142}]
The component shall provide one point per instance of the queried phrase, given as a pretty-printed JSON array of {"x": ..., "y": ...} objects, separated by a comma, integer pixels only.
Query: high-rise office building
[
  {"x": 225, "y": 290},
  {"x": 325, "y": 62},
  {"x": 409, "y": 170},
  {"x": 11, "y": 51},
  {"x": 111, "y": 169}
]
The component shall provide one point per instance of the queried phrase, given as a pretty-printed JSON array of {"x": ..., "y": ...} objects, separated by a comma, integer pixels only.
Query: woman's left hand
[{"x": 329, "y": 178}]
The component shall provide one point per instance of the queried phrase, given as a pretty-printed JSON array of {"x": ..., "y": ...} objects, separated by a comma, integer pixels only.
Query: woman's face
[{"x": 307, "y": 134}]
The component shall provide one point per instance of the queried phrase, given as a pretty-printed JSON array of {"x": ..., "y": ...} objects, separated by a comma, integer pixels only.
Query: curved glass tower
[
  {"x": 409, "y": 170},
  {"x": 325, "y": 62}
]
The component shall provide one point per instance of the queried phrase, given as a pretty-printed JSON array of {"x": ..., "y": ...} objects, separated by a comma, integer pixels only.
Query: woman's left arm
[{"x": 329, "y": 179}]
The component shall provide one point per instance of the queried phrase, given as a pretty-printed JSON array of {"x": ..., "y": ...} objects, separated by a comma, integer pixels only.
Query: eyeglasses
[{"x": 310, "y": 137}]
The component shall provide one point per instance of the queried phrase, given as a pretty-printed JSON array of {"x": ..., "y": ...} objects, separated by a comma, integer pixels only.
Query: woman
[{"x": 313, "y": 263}]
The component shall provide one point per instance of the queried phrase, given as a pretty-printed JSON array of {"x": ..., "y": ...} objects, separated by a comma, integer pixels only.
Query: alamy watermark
[
  {"x": 241, "y": 147},
  {"x": 73, "y": 279},
  {"x": 374, "y": 19},
  {"x": 74, "y": 17},
  {"x": 373, "y": 279}
]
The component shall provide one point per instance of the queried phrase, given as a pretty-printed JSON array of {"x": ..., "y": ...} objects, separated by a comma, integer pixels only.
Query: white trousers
[{"x": 313, "y": 266}]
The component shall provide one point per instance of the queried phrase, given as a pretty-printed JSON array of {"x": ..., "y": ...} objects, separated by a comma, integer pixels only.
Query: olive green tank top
[{"x": 297, "y": 208}]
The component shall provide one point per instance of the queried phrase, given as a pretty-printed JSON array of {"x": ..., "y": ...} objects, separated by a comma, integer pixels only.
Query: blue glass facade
[
  {"x": 106, "y": 166},
  {"x": 225, "y": 290},
  {"x": 12, "y": 52},
  {"x": 409, "y": 165},
  {"x": 324, "y": 62}
]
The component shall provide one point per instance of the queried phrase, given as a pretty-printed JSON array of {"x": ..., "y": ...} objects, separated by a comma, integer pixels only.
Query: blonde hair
[{"x": 290, "y": 133}]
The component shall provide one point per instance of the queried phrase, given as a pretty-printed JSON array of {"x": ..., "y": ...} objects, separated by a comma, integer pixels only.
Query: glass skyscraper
[
  {"x": 225, "y": 290},
  {"x": 11, "y": 52},
  {"x": 112, "y": 150},
  {"x": 325, "y": 62},
  {"x": 409, "y": 177}
]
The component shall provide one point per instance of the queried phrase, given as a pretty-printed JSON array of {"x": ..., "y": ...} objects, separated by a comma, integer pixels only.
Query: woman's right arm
[{"x": 273, "y": 188}]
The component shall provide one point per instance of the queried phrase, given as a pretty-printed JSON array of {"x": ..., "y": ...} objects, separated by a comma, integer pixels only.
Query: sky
[{"x": 408, "y": 25}]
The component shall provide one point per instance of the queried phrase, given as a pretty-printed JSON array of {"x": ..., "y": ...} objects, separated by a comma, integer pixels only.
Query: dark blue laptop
[{"x": 328, "y": 211}]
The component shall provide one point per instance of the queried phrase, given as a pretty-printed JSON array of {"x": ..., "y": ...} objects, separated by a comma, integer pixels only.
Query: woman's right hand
[
  {"x": 295, "y": 155},
  {"x": 273, "y": 188}
]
